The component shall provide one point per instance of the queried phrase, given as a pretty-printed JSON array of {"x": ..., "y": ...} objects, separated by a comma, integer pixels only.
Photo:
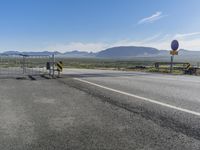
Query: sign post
[
  {"x": 174, "y": 47},
  {"x": 171, "y": 65}
]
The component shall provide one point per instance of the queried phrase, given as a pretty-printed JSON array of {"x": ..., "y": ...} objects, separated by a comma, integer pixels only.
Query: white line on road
[
  {"x": 162, "y": 78},
  {"x": 127, "y": 75},
  {"x": 140, "y": 97}
]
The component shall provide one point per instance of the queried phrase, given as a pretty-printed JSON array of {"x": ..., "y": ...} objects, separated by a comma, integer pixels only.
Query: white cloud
[
  {"x": 152, "y": 38},
  {"x": 185, "y": 43},
  {"x": 158, "y": 15},
  {"x": 190, "y": 41},
  {"x": 158, "y": 41},
  {"x": 192, "y": 44},
  {"x": 187, "y": 35},
  {"x": 164, "y": 42}
]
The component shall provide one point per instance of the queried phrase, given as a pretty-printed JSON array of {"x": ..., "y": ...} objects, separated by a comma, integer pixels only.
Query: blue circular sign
[{"x": 174, "y": 45}]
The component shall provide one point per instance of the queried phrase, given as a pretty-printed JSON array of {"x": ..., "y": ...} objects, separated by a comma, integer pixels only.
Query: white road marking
[
  {"x": 132, "y": 74},
  {"x": 140, "y": 97},
  {"x": 161, "y": 78}
]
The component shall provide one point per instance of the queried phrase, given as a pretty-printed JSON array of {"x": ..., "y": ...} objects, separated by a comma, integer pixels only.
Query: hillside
[
  {"x": 127, "y": 52},
  {"x": 78, "y": 54},
  {"x": 29, "y": 53}
]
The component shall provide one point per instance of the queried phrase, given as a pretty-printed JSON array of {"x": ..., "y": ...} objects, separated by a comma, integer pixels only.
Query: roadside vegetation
[
  {"x": 136, "y": 64},
  {"x": 125, "y": 65}
]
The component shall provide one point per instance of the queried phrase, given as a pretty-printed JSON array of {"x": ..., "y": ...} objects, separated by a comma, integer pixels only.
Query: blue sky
[{"x": 93, "y": 25}]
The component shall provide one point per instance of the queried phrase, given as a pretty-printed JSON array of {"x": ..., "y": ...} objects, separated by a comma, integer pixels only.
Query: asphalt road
[
  {"x": 181, "y": 91},
  {"x": 95, "y": 109}
]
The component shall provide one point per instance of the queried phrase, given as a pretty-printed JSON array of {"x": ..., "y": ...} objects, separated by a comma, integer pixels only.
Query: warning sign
[{"x": 59, "y": 66}]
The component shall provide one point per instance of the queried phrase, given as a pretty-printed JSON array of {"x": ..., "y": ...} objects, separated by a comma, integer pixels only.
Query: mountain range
[{"x": 114, "y": 52}]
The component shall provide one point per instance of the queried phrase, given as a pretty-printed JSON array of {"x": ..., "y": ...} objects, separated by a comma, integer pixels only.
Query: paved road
[
  {"x": 181, "y": 91},
  {"x": 92, "y": 109},
  {"x": 172, "y": 98}
]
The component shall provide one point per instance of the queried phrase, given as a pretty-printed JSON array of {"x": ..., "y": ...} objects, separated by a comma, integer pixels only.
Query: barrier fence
[{"x": 22, "y": 65}]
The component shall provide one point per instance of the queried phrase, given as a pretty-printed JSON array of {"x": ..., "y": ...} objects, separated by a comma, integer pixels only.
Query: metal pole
[
  {"x": 0, "y": 64},
  {"x": 171, "y": 65},
  {"x": 50, "y": 65},
  {"x": 23, "y": 64},
  {"x": 53, "y": 56}
]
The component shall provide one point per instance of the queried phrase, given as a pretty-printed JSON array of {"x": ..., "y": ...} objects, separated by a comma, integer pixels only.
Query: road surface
[{"x": 95, "y": 109}]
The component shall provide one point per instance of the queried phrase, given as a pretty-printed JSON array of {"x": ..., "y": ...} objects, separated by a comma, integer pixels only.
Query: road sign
[
  {"x": 59, "y": 66},
  {"x": 188, "y": 66},
  {"x": 173, "y": 52},
  {"x": 174, "y": 45}
]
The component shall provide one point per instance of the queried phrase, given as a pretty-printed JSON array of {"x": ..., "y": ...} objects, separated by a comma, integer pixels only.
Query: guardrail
[{"x": 185, "y": 66}]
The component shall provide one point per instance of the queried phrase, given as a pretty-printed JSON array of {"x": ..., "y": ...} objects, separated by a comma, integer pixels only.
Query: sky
[{"x": 94, "y": 25}]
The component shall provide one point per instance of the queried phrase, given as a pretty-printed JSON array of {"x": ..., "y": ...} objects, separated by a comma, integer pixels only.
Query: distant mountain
[
  {"x": 29, "y": 53},
  {"x": 11, "y": 53},
  {"x": 127, "y": 52},
  {"x": 163, "y": 53},
  {"x": 41, "y": 53},
  {"x": 123, "y": 52},
  {"x": 183, "y": 52},
  {"x": 77, "y": 53}
]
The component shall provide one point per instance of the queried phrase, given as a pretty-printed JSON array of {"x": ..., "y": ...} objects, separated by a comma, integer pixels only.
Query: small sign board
[{"x": 173, "y": 52}]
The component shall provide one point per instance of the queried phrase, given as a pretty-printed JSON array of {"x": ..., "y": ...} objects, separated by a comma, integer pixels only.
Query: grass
[
  {"x": 102, "y": 63},
  {"x": 128, "y": 65},
  {"x": 165, "y": 70}
]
